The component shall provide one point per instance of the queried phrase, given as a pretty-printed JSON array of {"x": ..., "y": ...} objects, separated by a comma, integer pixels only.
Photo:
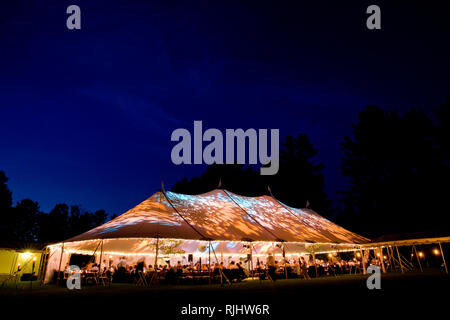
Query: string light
[
  {"x": 436, "y": 251},
  {"x": 93, "y": 241},
  {"x": 293, "y": 251},
  {"x": 420, "y": 254}
]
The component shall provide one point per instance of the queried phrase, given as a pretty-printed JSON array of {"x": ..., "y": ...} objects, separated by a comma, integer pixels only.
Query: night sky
[{"x": 86, "y": 115}]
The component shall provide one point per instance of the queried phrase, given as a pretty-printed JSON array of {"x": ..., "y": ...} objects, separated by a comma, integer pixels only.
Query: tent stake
[
  {"x": 443, "y": 258},
  {"x": 418, "y": 259}
]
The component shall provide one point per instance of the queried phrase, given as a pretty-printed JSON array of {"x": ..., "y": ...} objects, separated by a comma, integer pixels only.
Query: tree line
[
  {"x": 25, "y": 222},
  {"x": 397, "y": 167}
]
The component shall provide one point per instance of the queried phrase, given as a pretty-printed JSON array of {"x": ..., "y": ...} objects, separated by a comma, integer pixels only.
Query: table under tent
[{"x": 218, "y": 226}]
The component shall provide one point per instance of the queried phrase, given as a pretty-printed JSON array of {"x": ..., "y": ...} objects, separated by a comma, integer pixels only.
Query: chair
[{"x": 142, "y": 281}]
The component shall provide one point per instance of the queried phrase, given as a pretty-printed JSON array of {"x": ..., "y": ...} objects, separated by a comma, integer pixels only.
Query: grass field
[{"x": 347, "y": 296}]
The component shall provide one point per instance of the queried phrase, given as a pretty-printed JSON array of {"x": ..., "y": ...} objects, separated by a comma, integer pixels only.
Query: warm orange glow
[
  {"x": 229, "y": 223},
  {"x": 330, "y": 255},
  {"x": 384, "y": 257},
  {"x": 358, "y": 254},
  {"x": 26, "y": 255},
  {"x": 420, "y": 254},
  {"x": 378, "y": 254},
  {"x": 34, "y": 258},
  {"x": 436, "y": 251}
]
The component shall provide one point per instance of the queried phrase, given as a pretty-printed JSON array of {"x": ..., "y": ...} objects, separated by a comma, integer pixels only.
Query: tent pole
[
  {"x": 59, "y": 267},
  {"x": 251, "y": 259},
  {"x": 412, "y": 255},
  {"x": 418, "y": 259},
  {"x": 156, "y": 254},
  {"x": 42, "y": 265},
  {"x": 382, "y": 259},
  {"x": 314, "y": 261},
  {"x": 399, "y": 259},
  {"x": 388, "y": 258},
  {"x": 14, "y": 262},
  {"x": 209, "y": 261},
  {"x": 154, "y": 279},
  {"x": 220, "y": 265},
  {"x": 363, "y": 260},
  {"x": 284, "y": 258},
  {"x": 391, "y": 260},
  {"x": 393, "y": 257},
  {"x": 273, "y": 250},
  {"x": 220, "y": 270},
  {"x": 443, "y": 258},
  {"x": 101, "y": 257}
]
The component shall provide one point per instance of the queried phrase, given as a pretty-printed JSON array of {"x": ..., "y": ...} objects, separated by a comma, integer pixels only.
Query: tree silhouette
[
  {"x": 298, "y": 180},
  {"x": 64, "y": 222},
  {"x": 25, "y": 216},
  {"x": 26, "y": 223},
  {"x": 5, "y": 194},
  {"x": 5, "y": 208},
  {"x": 395, "y": 173},
  {"x": 54, "y": 225}
]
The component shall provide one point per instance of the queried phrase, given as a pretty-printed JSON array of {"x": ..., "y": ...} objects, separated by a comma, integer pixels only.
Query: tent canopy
[{"x": 221, "y": 215}]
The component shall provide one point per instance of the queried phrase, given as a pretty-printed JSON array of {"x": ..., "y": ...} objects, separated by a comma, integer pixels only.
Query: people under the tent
[{"x": 234, "y": 270}]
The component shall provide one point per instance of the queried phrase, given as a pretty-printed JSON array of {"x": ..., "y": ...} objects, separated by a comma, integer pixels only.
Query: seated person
[{"x": 94, "y": 268}]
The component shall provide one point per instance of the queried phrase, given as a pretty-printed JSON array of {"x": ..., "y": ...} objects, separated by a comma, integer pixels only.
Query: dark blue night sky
[{"x": 86, "y": 116}]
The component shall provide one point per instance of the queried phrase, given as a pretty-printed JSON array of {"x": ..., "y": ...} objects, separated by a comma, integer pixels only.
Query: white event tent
[{"x": 218, "y": 225}]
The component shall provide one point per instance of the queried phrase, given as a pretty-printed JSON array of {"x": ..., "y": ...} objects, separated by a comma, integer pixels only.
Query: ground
[{"x": 401, "y": 296}]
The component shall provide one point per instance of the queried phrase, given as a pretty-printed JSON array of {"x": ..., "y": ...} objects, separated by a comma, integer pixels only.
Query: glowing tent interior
[{"x": 172, "y": 226}]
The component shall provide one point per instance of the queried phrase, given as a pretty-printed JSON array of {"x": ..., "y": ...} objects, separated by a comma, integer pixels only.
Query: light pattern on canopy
[{"x": 221, "y": 215}]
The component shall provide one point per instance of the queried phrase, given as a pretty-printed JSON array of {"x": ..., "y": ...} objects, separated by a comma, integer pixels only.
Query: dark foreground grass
[{"x": 401, "y": 295}]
